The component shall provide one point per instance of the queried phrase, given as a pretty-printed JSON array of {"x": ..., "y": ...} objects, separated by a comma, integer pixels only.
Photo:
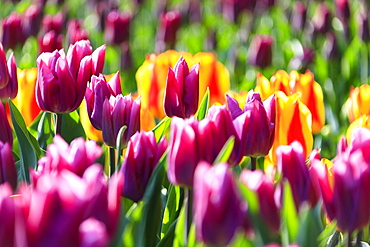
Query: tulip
[
  {"x": 151, "y": 78},
  {"x": 96, "y": 92},
  {"x": 167, "y": 30},
  {"x": 293, "y": 123},
  {"x": 217, "y": 204},
  {"x": 362, "y": 121},
  {"x": 117, "y": 112},
  {"x": 343, "y": 11},
  {"x": 303, "y": 84},
  {"x": 232, "y": 9},
  {"x": 8, "y": 171},
  {"x": 11, "y": 89},
  {"x": 75, "y": 32},
  {"x": 364, "y": 30},
  {"x": 358, "y": 102},
  {"x": 346, "y": 200},
  {"x": 26, "y": 101},
  {"x": 12, "y": 34},
  {"x": 117, "y": 27},
  {"x": 260, "y": 51},
  {"x": 182, "y": 90},
  {"x": 299, "y": 16},
  {"x": 50, "y": 42},
  {"x": 93, "y": 233},
  {"x": 7, "y": 216},
  {"x": 259, "y": 183},
  {"x": 141, "y": 158},
  {"x": 31, "y": 22},
  {"x": 4, "y": 71},
  {"x": 254, "y": 126},
  {"x": 322, "y": 18},
  {"x": 291, "y": 164},
  {"x": 75, "y": 157},
  {"x": 53, "y": 23},
  {"x": 330, "y": 49},
  {"x": 6, "y": 135}
]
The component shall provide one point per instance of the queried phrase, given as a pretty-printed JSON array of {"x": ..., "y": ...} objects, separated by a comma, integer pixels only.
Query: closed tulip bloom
[
  {"x": 259, "y": 183},
  {"x": 151, "y": 78},
  {"x": 50, "y": 42},
  {"x": 4, "y": 72},
  {"x": 291, "y": 165},
  {"x": 117, "y": 27},
  {"x": 217, "y": 205},
  {"x": 11, "y": 89},
  {"x": 347, "y": 199},
  {"x": 12, "y": 34},
  {"x": 182, "y": 90},
  {"x": 322, "y": 19},
  {"x": 358, "y": 102},
  {"x": 54, "y": 22},
  {"x": 31, "y": 22},
  {"x": 98, "y": 89},
  {"x": 253, "y": 125},
  {"x": 6, "y": 135},
  {"x": 75, "y": 32},
  {"x": 117, "y": 112},
  {"x": 293, "y": 123},
  {"x": 8, "y": 171},
  {"x": 167, "y": 31},
  {"x": 342, "y": 9},
  {"x": 364, "y": 30},
  {"x": 299, "y": 16},
  {"x": 260, "y": 51},
  {"x": 142, "y": 156}
]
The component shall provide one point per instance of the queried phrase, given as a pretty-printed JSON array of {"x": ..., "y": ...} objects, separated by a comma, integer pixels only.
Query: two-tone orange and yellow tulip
[
  {"x": 304, "y": 84},
  {"x": 151, "y": 78},
  {"x": 358, "y": 103}
]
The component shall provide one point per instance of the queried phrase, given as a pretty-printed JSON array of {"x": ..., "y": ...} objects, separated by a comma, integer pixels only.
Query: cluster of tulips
[{"x": 217, "y": 190}]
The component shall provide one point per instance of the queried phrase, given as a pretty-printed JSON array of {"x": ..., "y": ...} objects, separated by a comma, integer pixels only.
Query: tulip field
[{"x": 184, "y": 123}]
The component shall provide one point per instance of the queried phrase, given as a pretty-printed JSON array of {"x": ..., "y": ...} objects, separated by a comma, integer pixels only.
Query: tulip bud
[
  {"x": 232, "y": 9},
  {"x": 53, "y": 23},
  {"x": 343, "y": 11},
  {"x": 364, "y": 27},
  {"x": 31, "y": 22},
  {"x": 75, "y": 32},
  {"x": 217, "y": 205},
  {"x": 119, "y": 111},
  {"x": 167, "y": 30},
  {"x": 11, "y": 89},
  {"x": 96, "y": 92},
  {"x": 141, "y": 158},
  {"x": 182, "y": 90},
  {"x": 330, "y": 49},
  {"x": 97, "y": 59},
  {"x": 50, "y": 42},
  {"x": 260, "y": 51},
  {"x": 299, "y": 15},
  {"x": 12, "y": 31},
  {"x": 253, "y": 125},
  {"x": 8, "y": 226},
  {"x": 6, "y": 132},
  {"x": 258, "y": 182},
  {"x": 8, "y": 171},
  {"x": 322, "y": 19},
  {"x": 117, "y": 27},
  {"x": 4, "y": 72}
]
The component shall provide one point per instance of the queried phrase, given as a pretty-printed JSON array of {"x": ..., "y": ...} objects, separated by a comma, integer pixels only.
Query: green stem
[
  {"x": 188, "y": 213},
  {"x": 58, "y": 125},
  {"x": 349, "y": 240},
  {"x": 112, "y": 159},
  {"x": 253, "y": 163},
  {"x": 359, "y": 238}
]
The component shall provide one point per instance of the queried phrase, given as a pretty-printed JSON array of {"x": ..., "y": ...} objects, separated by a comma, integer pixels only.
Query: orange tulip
[
  {"x": 151, "y": 78},
  {"x": 358, "y": 102},
  {"x": 303, "y": 84},
  {"x": 362, "y": 121},
  {"x": 25, "y": 100},
  {"x": 293, "y": 123}
]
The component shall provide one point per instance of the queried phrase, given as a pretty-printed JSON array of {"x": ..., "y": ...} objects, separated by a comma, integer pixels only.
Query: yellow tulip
[
  {"x": 303, "y": 84},
  {"x": 362, "y": 121},
  {"x": 358, "y": 102},
  {"x": 90, "y": 131},
  {"x": 151, "y": 78}
]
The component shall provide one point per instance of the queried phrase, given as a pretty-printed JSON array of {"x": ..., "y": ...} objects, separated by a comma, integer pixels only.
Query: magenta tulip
[
  {"x": 8, "y": 171},
  {"x": 11, "y": 89},
  {"x": 117, "y": 27},
  {"x": 141, "y": 158},
  {"x": 50, "y": 42},
  {"x": 117, "y": 112},
  {"x": 260, "y": 51},
  {"x": 12, "y": 34},
  {"x": 4, "y": 71},
  {"x": 217, "y": 205},
  {"x": 182, "y": 90},
  {"x": 168, "y": 26},
  {"x": 96, "y": 92},
  {"x": 7, "y": 216},
  {"x": 6, "y": 135}
]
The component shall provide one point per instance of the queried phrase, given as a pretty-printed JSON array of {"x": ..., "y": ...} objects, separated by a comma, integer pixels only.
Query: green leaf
[
  {"x": 45, "y": 133},
  {"x": 310, "y": 227},
  {"x": 167, "y": 240},
  {"x": 203, "y": 108},
  {"x": 71, "y": 127},
  {"x": 290, "y": 221},
  {"x": 161, "y": 128},
  {"x": 28, "y": 146},
  {"x": 119, "y": 145},
  {"x": 226, "y": 150},
  {"x": 179, "y": 240},
  {"x": 173, "y": 206}
]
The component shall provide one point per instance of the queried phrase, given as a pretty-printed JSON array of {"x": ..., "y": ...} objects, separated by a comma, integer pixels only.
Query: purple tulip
[
  {"x": 8, "y": 171},
  {"x": 96, "y": 92},
  {"x": 7, "y": 217},
  {"x": 217, "y": 205},
  {"x": 75, "y": 157},
  {"x": 259, "y": 183},
  {"x": 53, "y": 23},
  {"x": 50, "y": 42},
  {"x": 117, "y": 27},
  {"x": 11, "y": 89},
  {"x": 119, "y": 111},
  {"x": 75, "y": 32},
  {"x": 291, "y": 164},
  {"x": 141, "y": 158},
  {"x": 343, "y": 11},
  {"x": 168, "y": 26},
  {"x": 4, "y": 71},
  {"x": 6, "y": 135},
  {"x": 255, "y": 125},
  {"x": 322, "y": 18},
  {"x": 12, "y": 34},
  {"x": 182, "y": 90},
  {"x": 299, "y": 16},
  {"x": 347, "y": 201},
  {"x": 364, "y": 30},
  {"x": 260, "y": 51},
  {"x": 31, "y": 22}
]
